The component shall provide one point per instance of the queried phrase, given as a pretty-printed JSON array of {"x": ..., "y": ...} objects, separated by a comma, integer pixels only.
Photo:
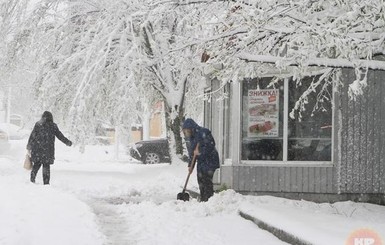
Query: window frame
[
  {"x": 285, "y": 162},
  {"x": 207, "y": 109}
]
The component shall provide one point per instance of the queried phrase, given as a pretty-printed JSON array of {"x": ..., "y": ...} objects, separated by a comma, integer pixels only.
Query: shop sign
[{"x": 263, "y": 113}]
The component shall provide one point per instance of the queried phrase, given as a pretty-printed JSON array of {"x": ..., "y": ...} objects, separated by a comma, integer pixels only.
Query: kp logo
[{"x": 364, "y": 237}]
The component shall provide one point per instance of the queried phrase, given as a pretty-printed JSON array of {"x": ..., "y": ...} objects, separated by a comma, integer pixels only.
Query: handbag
[{"x": 27, "y": 162}]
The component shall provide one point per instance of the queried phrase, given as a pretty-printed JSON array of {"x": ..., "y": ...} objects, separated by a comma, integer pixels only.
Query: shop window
[
  {"x": 271, "y": 133},
  {"x": 310, "y": 130}
]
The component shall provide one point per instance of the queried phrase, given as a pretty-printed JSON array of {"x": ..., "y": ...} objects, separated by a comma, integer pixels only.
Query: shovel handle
[{"x": 192, "y": 166}]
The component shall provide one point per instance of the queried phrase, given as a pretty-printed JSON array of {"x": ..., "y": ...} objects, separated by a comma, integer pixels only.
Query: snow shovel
[{"x": 184, "y": 196}]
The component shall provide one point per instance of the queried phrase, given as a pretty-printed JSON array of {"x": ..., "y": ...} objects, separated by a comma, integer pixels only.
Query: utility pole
[
  {"x": 8, "y": 120},
  {"x": 2, "y": 106},
  {"x": 117, "y": 141}
]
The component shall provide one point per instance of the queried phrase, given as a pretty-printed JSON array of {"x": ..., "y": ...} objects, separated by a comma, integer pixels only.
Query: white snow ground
[{"x": 94, "y": 200}]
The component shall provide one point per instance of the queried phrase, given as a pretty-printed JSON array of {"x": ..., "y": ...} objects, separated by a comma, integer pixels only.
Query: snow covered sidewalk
[
  {"x": 35, "y": 214},
  {"x": 95, "y": 200},
  {"x": 314, "y": 223}
]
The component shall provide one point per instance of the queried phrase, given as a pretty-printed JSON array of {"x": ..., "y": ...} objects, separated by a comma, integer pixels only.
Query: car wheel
[{"x": 152, "y": 158}]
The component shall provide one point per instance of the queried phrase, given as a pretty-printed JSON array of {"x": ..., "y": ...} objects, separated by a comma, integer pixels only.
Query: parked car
[
  {"x": 151, "y": 151},
  {"x": 14, "y": 132},
  {"x": 4, "y": 142}
]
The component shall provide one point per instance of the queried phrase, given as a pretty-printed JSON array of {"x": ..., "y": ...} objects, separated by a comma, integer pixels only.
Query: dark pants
[
  {"x": 205, "y": 181},
  {"x": 46, "y": 171}
]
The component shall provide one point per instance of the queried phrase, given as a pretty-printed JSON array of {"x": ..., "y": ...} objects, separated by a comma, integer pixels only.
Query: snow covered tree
[
  {"x": 95, "y": 59},
  {"x": 292, "y": 38},
  {"x": 171, "y": 63},
  {"x": 297, "y": 36},
  {"x": 16, "y": 73},
  {"x": 83, "y": 50},
  {"x": 91, "y": 65},
  {"x": 12, "y": 15}
]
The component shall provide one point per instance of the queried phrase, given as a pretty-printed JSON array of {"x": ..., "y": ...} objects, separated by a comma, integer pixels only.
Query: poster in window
[{"x": 263, "y": 114}]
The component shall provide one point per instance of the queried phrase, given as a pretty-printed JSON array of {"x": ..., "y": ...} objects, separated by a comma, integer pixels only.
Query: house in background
[
  {"x": 155, "y": 128},
  {"x": 136, "y": 133},
  {"x": 158, "y": 121},
  {"x": 335, "y": 152},
  {"x": 153, "y": 125}
]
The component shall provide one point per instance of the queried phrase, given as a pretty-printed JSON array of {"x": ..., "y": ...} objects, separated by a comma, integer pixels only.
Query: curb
[{"x": 280, "y": 234}]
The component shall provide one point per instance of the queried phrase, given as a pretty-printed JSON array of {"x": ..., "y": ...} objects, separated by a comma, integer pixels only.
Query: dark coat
[
  {"x": 208, "y": 160},
  {"x": 42, "y": 141}
]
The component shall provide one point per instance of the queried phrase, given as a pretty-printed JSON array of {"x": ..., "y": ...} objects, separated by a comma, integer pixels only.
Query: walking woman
[{"x": 41, "y": 145}]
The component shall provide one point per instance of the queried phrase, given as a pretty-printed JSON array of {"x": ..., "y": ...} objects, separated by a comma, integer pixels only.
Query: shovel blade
[{"x": 183, "y": 196}]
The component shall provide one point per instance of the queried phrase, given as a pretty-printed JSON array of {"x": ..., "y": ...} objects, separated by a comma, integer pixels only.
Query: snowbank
[{"x": 36, "y": 214}]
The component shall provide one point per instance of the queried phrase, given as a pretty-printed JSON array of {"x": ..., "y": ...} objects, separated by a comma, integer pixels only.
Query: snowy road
[{"x": 95, "y": 200}]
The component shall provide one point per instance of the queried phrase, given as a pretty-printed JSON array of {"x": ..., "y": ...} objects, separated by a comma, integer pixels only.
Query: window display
[
  {"x": 308, "y": 134},
  {"x": 263, "y": 113},
  {"x": 262, "y": 132}
]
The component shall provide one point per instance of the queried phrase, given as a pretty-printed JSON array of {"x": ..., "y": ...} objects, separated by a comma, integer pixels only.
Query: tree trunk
[
  {"x": 176, "y": 129},
  {"x": 174, "y": 125}
]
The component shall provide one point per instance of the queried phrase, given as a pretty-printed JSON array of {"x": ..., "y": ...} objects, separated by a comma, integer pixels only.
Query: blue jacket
[{"x": 208, "y": 160}]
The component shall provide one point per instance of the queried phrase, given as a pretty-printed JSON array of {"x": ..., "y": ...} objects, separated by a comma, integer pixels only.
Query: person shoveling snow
[{"x": 201, "y": 143}]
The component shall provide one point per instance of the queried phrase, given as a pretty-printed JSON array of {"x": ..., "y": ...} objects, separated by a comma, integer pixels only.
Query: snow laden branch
[
  {"x": 335, "y": 63},
  {"x": 355, "y": 88},
  {"x": 319, "y": 87},
  {"x": 291, "y": 38},
  {"x": 307, "y": 33}
]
